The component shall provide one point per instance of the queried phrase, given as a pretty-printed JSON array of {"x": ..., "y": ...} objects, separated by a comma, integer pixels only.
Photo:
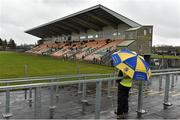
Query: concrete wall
[
  {"x": 133, "y": 46},
  {"x": 143, "y": 39},
  {"x": 75, "y": 36},
  {"x": 107, "y": 32}
]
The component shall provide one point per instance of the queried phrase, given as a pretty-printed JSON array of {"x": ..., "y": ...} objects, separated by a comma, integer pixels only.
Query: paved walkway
[{"x": 152, "y": 104}]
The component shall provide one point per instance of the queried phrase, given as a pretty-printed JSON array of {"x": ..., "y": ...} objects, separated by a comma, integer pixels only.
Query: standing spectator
[{"x": 124, "y": 85}]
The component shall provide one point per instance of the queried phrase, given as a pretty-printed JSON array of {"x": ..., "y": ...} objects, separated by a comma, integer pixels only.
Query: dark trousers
[{"x": 123, "y": 95}]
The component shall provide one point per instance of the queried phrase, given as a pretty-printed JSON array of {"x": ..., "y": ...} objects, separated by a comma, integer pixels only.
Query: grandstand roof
[
  {"x": 135, "y": 28},
  {"x": 125, "y": 43},
  {"x": 94, "y": 18}
]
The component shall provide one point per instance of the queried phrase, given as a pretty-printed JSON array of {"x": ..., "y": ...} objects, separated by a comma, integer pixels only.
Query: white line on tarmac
[
  {"x": 176, "y": 94},
  {"x": 153, "y": 93}
]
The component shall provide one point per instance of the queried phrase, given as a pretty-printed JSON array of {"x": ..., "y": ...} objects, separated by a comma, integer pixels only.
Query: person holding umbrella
[
  {"x": 124, "y": 85},
  {"x": 131, "y": 67}
]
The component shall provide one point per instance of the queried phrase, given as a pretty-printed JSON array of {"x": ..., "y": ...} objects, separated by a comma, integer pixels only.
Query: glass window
[
  {"x": 150, "y": 30},
  {"x": 130, "y": 35},
  {"x": 150, "y": 44},
  {"x": 140, "y": 47},
  {"x": 115, "y": 33},
  {"x": 90, "y": 36},
  {"x": 119, "y": 33},
  {"x": 145, "y": 32},
  {"x": 96, "y": 36},
  {"x": 82, "y": 37}
]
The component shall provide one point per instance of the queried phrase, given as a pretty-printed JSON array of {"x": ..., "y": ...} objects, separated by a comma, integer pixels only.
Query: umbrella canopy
[{"x": 131, "y": 64}]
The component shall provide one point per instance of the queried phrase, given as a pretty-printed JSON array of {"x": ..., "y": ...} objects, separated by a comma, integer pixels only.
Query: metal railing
[
  {"x": 166, "y": 102},
  {"x": 37, "y": 87},
  {"x": 55, "y": 77},
  {"x": 43, "y": 78},
  {"x": 166, "y": 70}
]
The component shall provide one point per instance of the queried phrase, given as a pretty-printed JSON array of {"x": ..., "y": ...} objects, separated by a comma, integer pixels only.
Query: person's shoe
[
  {"x": 120, "y": 116},
  {"x": 125, "y": 115},
  {"x": 115, "y": 112}
]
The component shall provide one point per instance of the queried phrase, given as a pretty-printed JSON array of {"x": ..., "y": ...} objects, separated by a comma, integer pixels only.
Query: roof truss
[{"x": 104, "y": 21}]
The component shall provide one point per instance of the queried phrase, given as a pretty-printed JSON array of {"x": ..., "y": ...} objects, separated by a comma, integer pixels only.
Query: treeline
[
  {"x": 166, "y": 49},
  {"x": 4, "y": 44}
]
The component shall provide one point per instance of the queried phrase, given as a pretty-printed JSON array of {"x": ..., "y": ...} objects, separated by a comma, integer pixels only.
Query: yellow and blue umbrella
[{"x": 131, "y": 64}]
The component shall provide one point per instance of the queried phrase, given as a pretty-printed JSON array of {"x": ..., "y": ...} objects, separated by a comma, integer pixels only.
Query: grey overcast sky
[{"x": 16, "y": 16}]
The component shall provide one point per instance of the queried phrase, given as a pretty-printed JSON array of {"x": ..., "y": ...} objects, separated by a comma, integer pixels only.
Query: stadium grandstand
[{"x": 92, "y": 34}]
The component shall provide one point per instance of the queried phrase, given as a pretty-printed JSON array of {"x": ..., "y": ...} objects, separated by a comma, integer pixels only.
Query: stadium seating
[
  {"x": 98, "y": 54},
  {"x": 90, "y": 50},
  {"x": 90, "y": 47}
]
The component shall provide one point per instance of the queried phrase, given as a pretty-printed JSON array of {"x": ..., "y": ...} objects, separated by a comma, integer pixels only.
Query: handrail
[
  {"x": 54, "y": 76},
  {"x": 165, "y": 70},
  {"x": 6, "y": 79},
  {"x": 24, "y": 86},
  {"x": 14, "y": 87},
  {"x": 37, "y": 88},
  {"x": 26, "y": 79},
  {"x": 165, "y": 73}
]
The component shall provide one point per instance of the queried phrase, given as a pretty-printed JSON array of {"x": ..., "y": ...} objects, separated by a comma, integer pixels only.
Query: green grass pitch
[{"x": 12, "y": 65}]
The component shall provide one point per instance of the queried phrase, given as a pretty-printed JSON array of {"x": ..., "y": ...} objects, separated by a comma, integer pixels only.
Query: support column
[
  {"x": 140, "y": 110},
  {"x": 114, "y": 81},
  {"x": 109, "y": 89},
  {"x": 98, "y": 100},
  {"x": 160, "y": 83},
  {"x": 57, "y": 90},
  {"x": 78, "y": 73},
  {"x": 30, "y": 97},
  {"x": 172, "y": 81},
  {"x": 166, "y": 93},
  {"x": 7, "y": 113},
  {"x": 52, "y": 106},
  {"x": 25, "y": 94},
  {"x": 79, "y": 88},
  {"x": 25, "y": 75},
  {"x": 84, "y": 100},
  {"x": 176, "y": 77},
  {"x": 37, "y": 103}
]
